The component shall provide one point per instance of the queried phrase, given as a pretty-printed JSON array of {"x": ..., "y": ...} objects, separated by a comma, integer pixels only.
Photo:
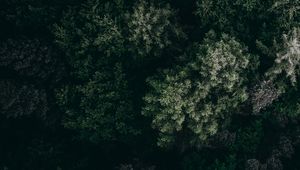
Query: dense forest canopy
[{"x": 150, "y": 85}]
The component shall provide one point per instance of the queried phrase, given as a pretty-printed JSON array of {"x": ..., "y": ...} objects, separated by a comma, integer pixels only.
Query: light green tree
[
  {"x": 152, "y": 28},
  {"x": 195, "y": 98},
  {"x": 288, "y": 58}
]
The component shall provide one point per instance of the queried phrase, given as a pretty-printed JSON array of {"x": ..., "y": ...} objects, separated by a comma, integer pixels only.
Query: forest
[{"x": 150, "y": 85}]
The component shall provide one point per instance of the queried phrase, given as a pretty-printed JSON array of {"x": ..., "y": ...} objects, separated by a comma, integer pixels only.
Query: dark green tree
[
  {"x": 287, "y": 13},
  {"x": 20, "y": 100},
  {"x": 99, "y": 109},
  {"x": 89, "y": 39},
  {"x": 30, "y": 58},
  {"x": 237, "y": 17},
  {"x": 99, "y": 105}
]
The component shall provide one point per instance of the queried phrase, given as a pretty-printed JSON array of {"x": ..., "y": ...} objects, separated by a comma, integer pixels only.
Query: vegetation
[{"x": 150, "y": 85}]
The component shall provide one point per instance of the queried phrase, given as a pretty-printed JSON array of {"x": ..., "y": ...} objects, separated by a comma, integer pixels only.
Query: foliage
[
  {"x": 228, "y": 164},
  {"x": 185, "y": 98},
  {"x": 288, "y": 105},
  {"x": 288, "y": 59},
  {"x": 197, "y": 161},
  {"x": 126, "y": 84},
  {"x": 30, "y": 17},
  {"x": 249, "y": 138},
  {"x": 91, "y": 45},
  {"x": 287, "y": 12},
  {"x": 30, "y": 58},
  {"x": 238, "y": 17},
  {"x": 100, "y": 109},
  {"x": 264, "y": 94},
  {"x": 152, "y": 28},
  {"x": 19, "y": 100},
  {"x": 27, "y": 64}
]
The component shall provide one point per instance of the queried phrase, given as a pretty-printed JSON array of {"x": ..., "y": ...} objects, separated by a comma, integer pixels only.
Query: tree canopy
[
  {"x": 149, "y": 84},
  {"x": 199, "y": 95}
]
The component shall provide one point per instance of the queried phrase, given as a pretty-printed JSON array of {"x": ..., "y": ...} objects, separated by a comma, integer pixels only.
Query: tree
[
  {"x": 98, "y": 105},
  {"x": 90, "y": 40},
  {"x": 22, "y": 100},
  {"x": 30, "y": 68},
  {"x": 152, "y": 29},
  {"x": 100, "y": 109},
  {"x": 194, "y": 98},
  {"x": 240, "y": 18},
  {"x": 30, "y": 58},
  {"x": 252, "y": 164},
  {"x": 287, "y": 13},
  {"x": 248, "y": 139},
  {"x": 264, "y": 94},
  {"x": 288, "y": 59}
]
